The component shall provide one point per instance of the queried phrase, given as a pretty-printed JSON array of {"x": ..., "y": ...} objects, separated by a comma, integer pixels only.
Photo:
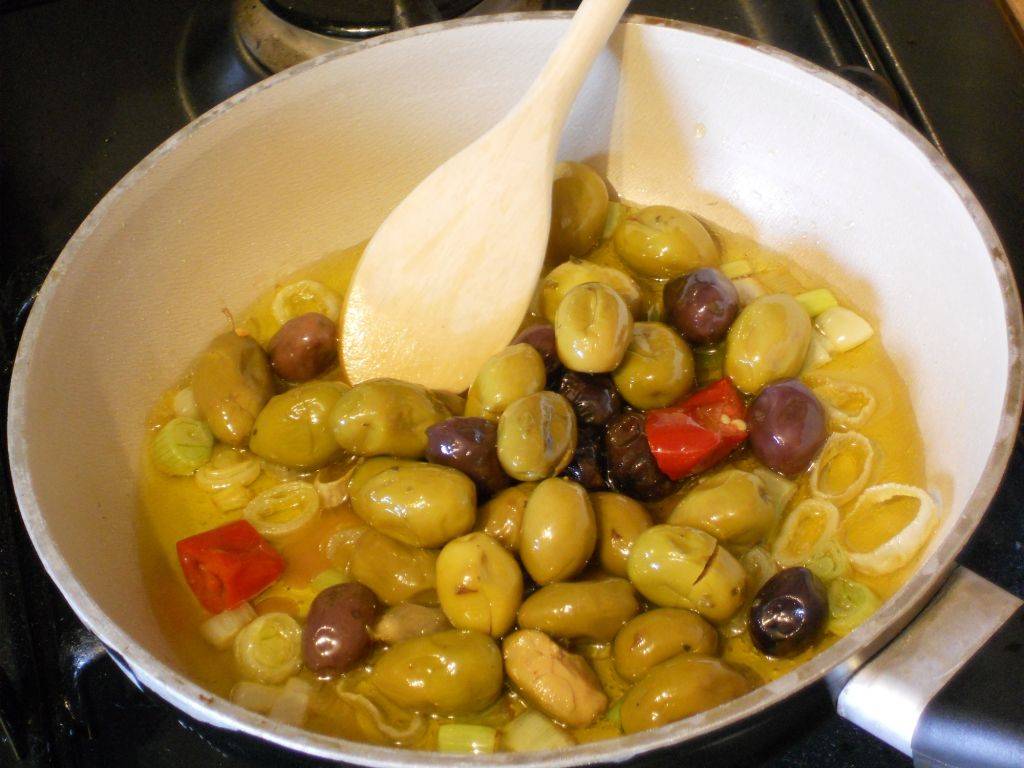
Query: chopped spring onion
[
  {"x": 331, "y": 483},
  {"x": 182, "y": 446},
  {"x": 818, "y": 353},
  {"x": 780, "y": 490},
  {"x": 805, "y": 532},
  {"x": 231, "y": 498},
  {"x": 532, "y": 731},
  {"x": 220, "y": 630},
  {"x": 759, "y": 566},
  {"x": 227, "y": 467},
  {"x": 614, "y": 714},
  {"x": 611, "y": 221},
  {"x": 748, "y": 288},
  {"x": 283, "y": 509},
  {"x": 817, "y": 301},
  {"x": 899, "y": 550},
  {"x": 843, "y": 328},
  {"x": 849, "y": 604},
  {"x": 185, "y": 404},
  {"x": 328, "y": 578},
  {"x": 413, "y": 729},
  {"x": 281, "y": 472},
  {"x": 472, "y": 739},
  {"x": 830, "y": 563},
  {"x": 737, "y": 269},
  {"x": 848, "y": 404},
  {"x": 304, "y": 296},
  {"x": 709, "y": 363},
  {"x": 269, "y": 649},
  {"x": 255, "y": 697},
  {"x": 291, "y": 706},
  {"x": 843, "y": 467}
]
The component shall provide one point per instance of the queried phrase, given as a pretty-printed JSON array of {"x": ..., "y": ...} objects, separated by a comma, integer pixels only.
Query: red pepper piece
[
  {"x": 227, "y": 565},
  {"x": 699, "y": 432}
]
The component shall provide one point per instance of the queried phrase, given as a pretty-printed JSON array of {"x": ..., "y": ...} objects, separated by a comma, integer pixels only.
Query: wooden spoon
[{"x": 448, "y": 277}]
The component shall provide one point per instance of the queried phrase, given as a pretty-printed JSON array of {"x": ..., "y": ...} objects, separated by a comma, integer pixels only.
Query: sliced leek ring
[
  {"x": 837, "y": 444},
  {"x": 181, "y": 446},
  {"x": 184, "y": 404},
  {"x": 304, "y": 296},
  {"x": 413, "y": 729},
  {"x": 830, "y": 563},
  {"x": 255, "y": 697},
  {"x": 220, "y": 630},
  {"x": 899, "y": 550},
  {"x": 291, "y": 706},
  {"x": 231, "y": 498},
  {"x": 759, "y": 566},
  {"x": 227, "y": 467},
  {"x": 849, "y": 604},
  {"x": 283, "y": 509},
  {"x": 269, "y": 649},
  {"x": 836, "y": 394},
  {"x": 784, "y": 549},
  {"x": 338, "y": 547}
]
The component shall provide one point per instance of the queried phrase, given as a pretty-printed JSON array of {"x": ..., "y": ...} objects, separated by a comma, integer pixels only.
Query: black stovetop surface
[{"x": 89, "y": 87}]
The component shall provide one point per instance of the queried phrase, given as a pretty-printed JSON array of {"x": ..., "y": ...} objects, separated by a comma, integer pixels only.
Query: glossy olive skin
[
  {"x": 447, "y": 673},
  {"x": 479, "y": 584},
  {"x": 788, "y": 613},
  {"x": 767, "y": 342},
  {"x": 631, "y": 466},
  {"x": 658, "y": 635},
  {"x": 788, "y": 427},
  {"x": 294, "y": 428},
  {"x": 386, "y": 417},
  {"x": 542, "y": 338},
  {"x": 408, "y": 620},
  {"x": 580, "y": 609},
  {"x": 423, "y": 505},
  {"x": 514, "y": 372},
  {"x": 587, "y": 465},
  {"x": 593, "y": 328},
  {"x": 620, "y": 520},
  {"x": 563, "y": 278},
  {"x": 663, "y": 242},
  {"x": 536, "y": 436},
  {"x": 502, "y": 516},
  {"x": 470, "y": 445},
  {"x": 231, "y": 383},
  {"x": 304, "y": 347},
  {"x": 677, "y": 688},
  {"x": 594, "y": 397},
  {"x": 336, "y": 637},
  {"x": 701, "y": 305},
  {"x": 396, "y": 572},
  {"x": 579, "y": 206},
  {"x": 732, "y": 505},
  {"x": 560, "y": 684},
  {"x": 657, "y": 368},
  {"x": 678, "y": 567},
  {"x": 559, "y": 531}
]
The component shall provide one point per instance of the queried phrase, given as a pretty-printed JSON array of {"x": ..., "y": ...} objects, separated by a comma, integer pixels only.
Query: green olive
[
  {"x": 231, "y": 384},
  {"x": 620, "y": 520},
  {"x": 664, "y": 242},
  {"x": 657, "y": 369},
  {"x": 536, "y": 436},
  {"x": 568, "y": 275},
  {"x": 456, "y": 404},
  {"x": 395, "y": 571},
  {"x": 515, "y": 372},
  {"x": 678, "y": 688},
  {"x": 579, "y": 207},
  {"x": 733, "y": 506},
  {"x": 294, "y": 428},
  {"x": 679, "y": 567},
  {"x": 447, "y": 673},
  {"x": 559, "y": 531},
  {"x": 408, "y": 620},
  {"x": 658, "y": 635},
  {"x": 560, "y": 684},
  {"x": 593, "y": 328},
  {"x": 580, "y": 609},
  {"x": 479, "y": 584},
  {"x": 502, "y": 516},
  {"x": 424, "y": 505},
  {"x": 386, "y": 417},
  {"x": 768, "y": 341}
]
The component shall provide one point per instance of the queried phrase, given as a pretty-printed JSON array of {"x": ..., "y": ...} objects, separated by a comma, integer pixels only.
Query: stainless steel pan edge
[{"x": 837, "y": 662}]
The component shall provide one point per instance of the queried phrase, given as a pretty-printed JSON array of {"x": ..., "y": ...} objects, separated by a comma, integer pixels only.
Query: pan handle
[{"x": 949, "y": 691}]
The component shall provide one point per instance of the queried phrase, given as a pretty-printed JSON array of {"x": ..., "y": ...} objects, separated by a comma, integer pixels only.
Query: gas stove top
[{"x": 89, "y": 87}]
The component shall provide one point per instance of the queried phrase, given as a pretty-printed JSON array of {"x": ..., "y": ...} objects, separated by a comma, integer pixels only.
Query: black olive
[
  {"x": 632, "y": 469},
  {"x": 542, "y": 338},
  {"x": 594, "y": 397},
  {"x": 587, "y": 465},
  {"x": 701, "y": 305},
  {"x": 788, "y": 426},
  {"x": 788, "y": 613},
  {"x": 470, "y": 445},
  {"x": 336, "y": 637}
]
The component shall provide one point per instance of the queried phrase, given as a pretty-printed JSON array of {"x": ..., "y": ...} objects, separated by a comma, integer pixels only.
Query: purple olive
[
  {"x": 304, "y": 347},
  {"x": 336, "y": 637},
  {"x": 587, "y": 465},
  {"x": 594, "y": 397},
  {"x": 788, "y": 426},
  {"x": 701, "y": 305},
  {"x": 541, "y": 338},
  {"x": 788, "y": 613},
  {"x": 632, "y": 469},
  {"x": 470, "y": 445}
]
